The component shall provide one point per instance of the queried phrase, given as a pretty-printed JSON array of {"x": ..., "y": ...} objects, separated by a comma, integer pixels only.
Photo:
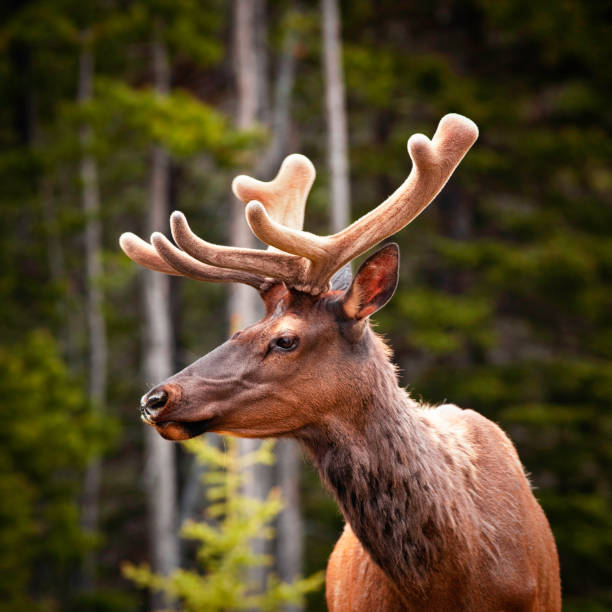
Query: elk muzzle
[
  {"x": 157, "y": 404},
  {"x": 158, "y": 408},
  {"x": 152, "y": 403}
]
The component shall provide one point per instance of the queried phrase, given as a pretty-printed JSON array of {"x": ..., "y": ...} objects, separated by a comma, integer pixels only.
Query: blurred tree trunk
[
  {"x": 160, "y": 470},
  {"x": 280, "y": 117},
  {"x": 244, "y": 306},
  {"x": 243, "y": 299},
  {"x": 90, "y": 197},
  {"x": 289, "y": 529},
  {"x": 337, "y": 137}
]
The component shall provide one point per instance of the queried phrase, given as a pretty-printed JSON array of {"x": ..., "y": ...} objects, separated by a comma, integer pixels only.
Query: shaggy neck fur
[{"x": 404, "y": 480}]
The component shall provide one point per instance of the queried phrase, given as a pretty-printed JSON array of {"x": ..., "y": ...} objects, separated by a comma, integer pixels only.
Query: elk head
[{"x": 292, "y": 368}]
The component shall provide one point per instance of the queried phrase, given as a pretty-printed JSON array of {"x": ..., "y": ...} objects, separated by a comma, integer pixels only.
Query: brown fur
[
  {"x": 440, "y": 514},
  {"x": 437, "y": 499}
]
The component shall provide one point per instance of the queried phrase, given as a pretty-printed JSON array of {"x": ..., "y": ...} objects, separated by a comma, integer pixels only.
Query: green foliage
[
  {"x": 47, "y": 437},
  {"x": 178, "y": 121},
  {"x": 192, "y": 29},
  {"x": 224, "y": 553},
  {"x": 440, "y": 323}
]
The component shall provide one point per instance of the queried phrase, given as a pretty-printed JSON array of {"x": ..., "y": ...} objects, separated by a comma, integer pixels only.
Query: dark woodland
[{"x": 116, "y": 112}]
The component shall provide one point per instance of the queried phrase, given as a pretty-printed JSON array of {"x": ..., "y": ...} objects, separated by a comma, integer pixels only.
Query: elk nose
[{"x": 152, "y": 403}]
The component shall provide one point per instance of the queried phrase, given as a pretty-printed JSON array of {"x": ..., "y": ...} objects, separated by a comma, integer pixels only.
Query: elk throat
[{"x": 404, "y": 480}]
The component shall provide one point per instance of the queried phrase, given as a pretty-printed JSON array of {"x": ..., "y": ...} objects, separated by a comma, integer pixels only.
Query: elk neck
[{"x": 404, "y": 480}]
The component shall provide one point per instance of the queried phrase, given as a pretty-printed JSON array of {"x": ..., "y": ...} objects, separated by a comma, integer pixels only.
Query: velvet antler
[{"x": 275, "y": 214}]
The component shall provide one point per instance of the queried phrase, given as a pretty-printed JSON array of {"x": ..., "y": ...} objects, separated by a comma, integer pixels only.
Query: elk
[{"x": 439, "y": 513}]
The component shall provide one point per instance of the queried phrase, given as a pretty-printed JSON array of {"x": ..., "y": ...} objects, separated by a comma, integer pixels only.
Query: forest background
[{"x": 114, "y": 109}]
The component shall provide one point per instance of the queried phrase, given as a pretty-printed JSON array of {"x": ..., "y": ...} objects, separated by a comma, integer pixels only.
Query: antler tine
[
  {"x": 284, "y": 238},
  {"x": 284, "y": 197},
  {"x": 165, "y": 257},
  {"x": 279, "y": 266},
  {"x": 144, "y": 254},
  {"x": 433, "y": 163},
  {"x": 191, "y": 268}
]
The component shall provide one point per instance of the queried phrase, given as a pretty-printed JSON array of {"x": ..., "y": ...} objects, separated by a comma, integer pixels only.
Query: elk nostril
[{"x": 155, "y": 402}]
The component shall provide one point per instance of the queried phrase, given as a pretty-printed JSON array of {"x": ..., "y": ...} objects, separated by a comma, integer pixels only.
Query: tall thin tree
[
  {"x": 243, "y": 301},
  {"x": 90, "y": 196},
  {"x": 160, "y": 457},
  {"x": 335, "y": 106}
]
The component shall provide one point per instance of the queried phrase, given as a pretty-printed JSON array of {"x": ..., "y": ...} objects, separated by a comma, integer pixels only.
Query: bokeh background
[{"x": 505, "y": 297}]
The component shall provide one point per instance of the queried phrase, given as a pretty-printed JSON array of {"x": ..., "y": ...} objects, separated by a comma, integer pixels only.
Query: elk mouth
[{"x": 175, "y": 430}]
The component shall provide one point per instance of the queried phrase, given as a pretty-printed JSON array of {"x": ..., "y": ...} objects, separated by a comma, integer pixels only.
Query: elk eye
[{"x": 285, "y": 343}]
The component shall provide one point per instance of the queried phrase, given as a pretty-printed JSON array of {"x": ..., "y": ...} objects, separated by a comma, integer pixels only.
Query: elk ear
[
  {"x": 272, "y": 295},
  {"x": 373, "y": 285}
]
